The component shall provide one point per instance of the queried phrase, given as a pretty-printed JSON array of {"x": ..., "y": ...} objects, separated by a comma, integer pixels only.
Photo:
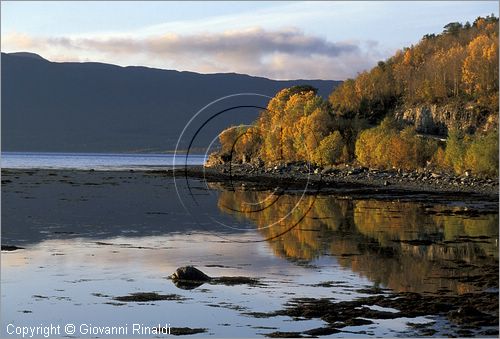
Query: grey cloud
[
  {"x": 254, "y": 41},
  {"x": 286, "y": 53}
]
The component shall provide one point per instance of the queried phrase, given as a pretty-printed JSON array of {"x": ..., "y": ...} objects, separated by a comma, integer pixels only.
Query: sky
[{"x": 331, "y": 40}]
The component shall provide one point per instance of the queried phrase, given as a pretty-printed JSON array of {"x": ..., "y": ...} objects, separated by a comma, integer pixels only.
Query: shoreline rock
[
  {"x": 361, "y": 182},
  {"x": 294, "y": 174},
  {"x": 189, "y": 273}
]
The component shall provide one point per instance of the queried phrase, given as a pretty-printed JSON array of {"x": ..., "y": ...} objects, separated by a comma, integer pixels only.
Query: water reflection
[
  {"x": 402, "y": 245},
  {"x": 89, "y": 237}
]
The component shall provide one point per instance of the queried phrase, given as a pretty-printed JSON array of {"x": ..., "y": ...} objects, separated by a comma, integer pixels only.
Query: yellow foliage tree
[
  {"x": 480, "y": 68},
  {"x": 385, "y": 147},
  {"x": 482, "y": 154},
  {"x": 330, "y": 150},
  {"x": 295, "y": 121}
]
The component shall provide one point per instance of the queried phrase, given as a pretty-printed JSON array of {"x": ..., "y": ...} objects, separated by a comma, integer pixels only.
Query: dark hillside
[{"x": 94, "y": 107}]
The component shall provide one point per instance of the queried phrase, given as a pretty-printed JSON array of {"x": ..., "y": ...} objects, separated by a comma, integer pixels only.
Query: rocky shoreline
[{"x": 353, "y": 180}]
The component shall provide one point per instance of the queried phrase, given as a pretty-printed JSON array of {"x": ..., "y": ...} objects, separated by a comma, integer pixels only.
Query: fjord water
[
  {"x": 96, "y": 161},
  {"x": 89, "y": 237}
]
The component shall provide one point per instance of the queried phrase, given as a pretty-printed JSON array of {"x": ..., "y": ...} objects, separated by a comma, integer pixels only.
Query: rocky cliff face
[{"x": 437, "y": 119}]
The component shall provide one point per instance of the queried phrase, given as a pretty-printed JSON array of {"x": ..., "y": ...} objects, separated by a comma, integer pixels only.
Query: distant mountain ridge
[
  {"x": 27, "y": 55},
  {"x": 96, "y": 107}
]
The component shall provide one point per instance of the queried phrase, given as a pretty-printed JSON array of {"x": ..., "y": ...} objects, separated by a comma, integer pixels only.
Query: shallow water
[{"x": 89, "y": 237}]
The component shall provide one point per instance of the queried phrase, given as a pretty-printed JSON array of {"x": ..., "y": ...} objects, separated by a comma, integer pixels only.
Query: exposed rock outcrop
[{"x": 438, "y": 119}]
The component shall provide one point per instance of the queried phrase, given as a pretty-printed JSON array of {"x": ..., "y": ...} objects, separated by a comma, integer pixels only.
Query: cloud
[{"x": 286, "y": 53}]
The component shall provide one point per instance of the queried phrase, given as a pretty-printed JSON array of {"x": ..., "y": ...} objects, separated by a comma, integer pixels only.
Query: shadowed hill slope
[{"x": 95, "y": 107}]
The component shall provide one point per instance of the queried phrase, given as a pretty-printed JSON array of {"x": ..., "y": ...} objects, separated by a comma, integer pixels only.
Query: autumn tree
[
  {"x": 240, "y": 143},
  {"x": 480, "y": 67},
  {"x": 457, "y": 65},
  {"x": 478, "y": 153},
  {"x": 295, "y": 121},
  {"x": 482, "y": 154},
  {"x": 386, "y": 146},
  {"x": 331, "y": 150}
]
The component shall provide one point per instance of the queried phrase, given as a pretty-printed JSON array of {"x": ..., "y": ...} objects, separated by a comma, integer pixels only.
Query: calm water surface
[
  {"x": 97, "y": 161},
  {"x": 91, "y": 236}
]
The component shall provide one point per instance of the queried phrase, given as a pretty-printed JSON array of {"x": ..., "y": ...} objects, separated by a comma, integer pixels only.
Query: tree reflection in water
[{"x": 402, "y": 245}]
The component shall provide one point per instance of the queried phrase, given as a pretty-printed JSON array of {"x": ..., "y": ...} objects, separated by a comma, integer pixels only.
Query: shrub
[
  {"x": 371, "y": 147},
  {"x": 481, "y": 155},
  {"x": 385, "y": 147},
  {"x": 439, "y": 159},
  {"x": 478, "y": 153},
  {"x": 349, "y": 128},
  {"x": 365, "y": 147},
  {"x": 456, "y": 145},
  {"x": 330, "y": 150},
  {"x": 240, "y": 143}
]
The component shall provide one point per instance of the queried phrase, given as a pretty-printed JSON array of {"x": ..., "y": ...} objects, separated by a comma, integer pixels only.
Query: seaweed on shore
[
  {"x": 475, "y": 311},
  {"x": 149, "y": 296},
  {"x": 186, "y": 331},
  {"x": 11, "y": 248}
]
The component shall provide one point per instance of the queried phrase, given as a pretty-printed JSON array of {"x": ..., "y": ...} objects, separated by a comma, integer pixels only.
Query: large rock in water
[{"x": 189, "y": 273}]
